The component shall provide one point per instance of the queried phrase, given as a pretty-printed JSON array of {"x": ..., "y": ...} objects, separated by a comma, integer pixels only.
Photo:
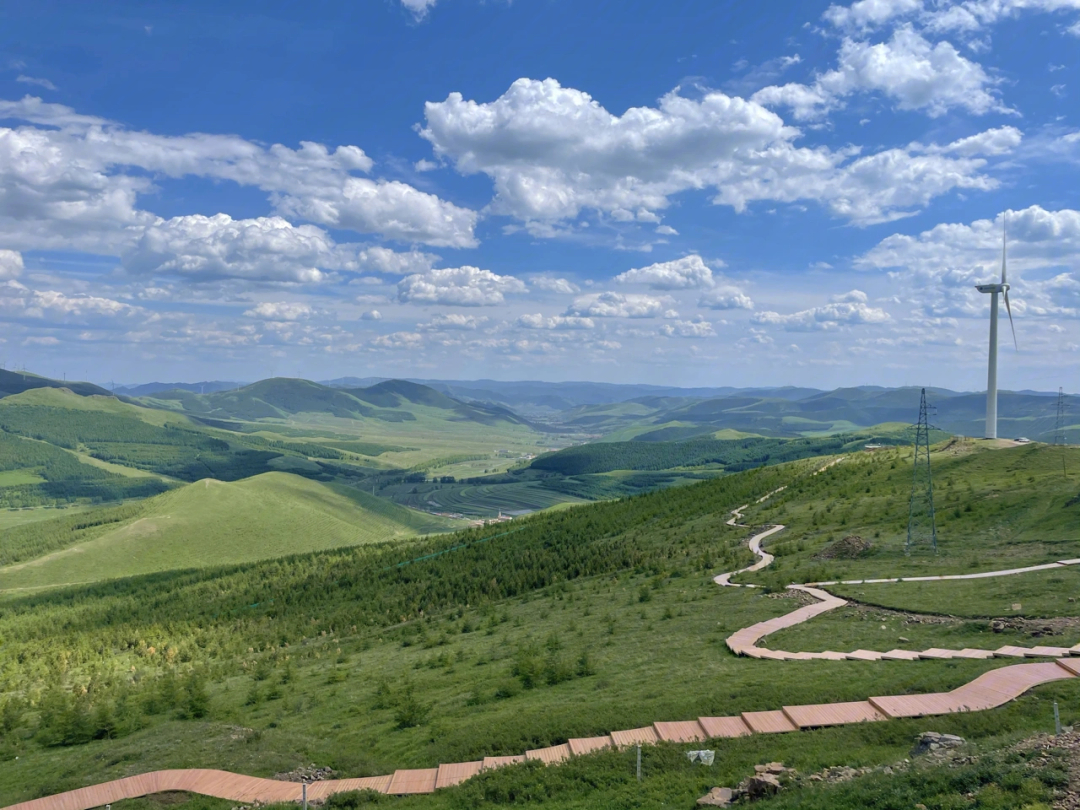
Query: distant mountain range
[
  {"x": 149, "y": 389},
  {"x": 607, "y": 410},
  {"x": 561, "y": 396},
  {"x": 1030, "y": 415}
]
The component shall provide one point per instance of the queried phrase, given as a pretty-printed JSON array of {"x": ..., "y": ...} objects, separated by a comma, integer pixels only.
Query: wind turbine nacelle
[{"x": 992, "y": 288}]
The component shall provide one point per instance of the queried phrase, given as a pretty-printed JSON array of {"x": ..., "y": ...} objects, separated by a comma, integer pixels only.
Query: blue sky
[{"x": 693, "y": 193}]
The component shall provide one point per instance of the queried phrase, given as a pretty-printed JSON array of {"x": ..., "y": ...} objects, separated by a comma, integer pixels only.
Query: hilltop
[
  {"x": 213, "y": 523},
  {"x": 15, "y": 382}
]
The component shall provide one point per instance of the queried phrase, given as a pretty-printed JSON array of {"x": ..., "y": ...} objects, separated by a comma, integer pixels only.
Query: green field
[
  {"x": 1039, "y": 594},
  {"x": 274, "y": 621},
  {"x": 9, "y": 518},
  {"x": 996, "y": 508},
  {"x": 495, "y": 640},
  {"x": 212, "y": 523},
  {"x": 14, "y": 478},
  {"x": 478, "y": 500}
]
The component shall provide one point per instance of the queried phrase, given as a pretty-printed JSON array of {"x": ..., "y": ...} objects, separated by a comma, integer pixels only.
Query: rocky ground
[
  {"x": 932, "y": 749},
  {"x": 309, "y": 774}
]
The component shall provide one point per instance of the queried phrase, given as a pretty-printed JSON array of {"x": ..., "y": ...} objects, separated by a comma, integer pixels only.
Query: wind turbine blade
[
  {"x": 1009, "y": 310},
  {"x": 1003, "y": 238}
]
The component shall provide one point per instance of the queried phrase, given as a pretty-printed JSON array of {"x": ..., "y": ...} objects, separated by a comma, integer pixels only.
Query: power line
[{"x": 921, "y": 525}]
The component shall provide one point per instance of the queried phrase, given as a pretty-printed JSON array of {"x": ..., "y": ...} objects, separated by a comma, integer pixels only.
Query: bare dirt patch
[{"x": 849, "y": 548}]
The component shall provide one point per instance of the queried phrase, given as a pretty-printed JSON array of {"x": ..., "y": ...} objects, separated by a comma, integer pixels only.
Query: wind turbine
[{"x": 991, "y": 375}]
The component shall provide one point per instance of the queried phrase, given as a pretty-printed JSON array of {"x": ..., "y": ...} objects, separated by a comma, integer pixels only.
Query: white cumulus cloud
[
  {"x": 419, "y": 8},
  {"x": 384, "y": 260},
  {"x": 279, "y": 311},
  {"x": 870, "y": 13},
  {"x": 11, "y": 264},
  {"x": 555, "y": 285},
  {"x": 825, "y": 318},
  {"x": 454, "y": 321},
  {"x": 72, "y": 180},
  {"x": 554, "y": 151},
  {"x": 264, "y": 248},
  {"x": 726, "y": 297},
  {"x": 616, "y": 305},
  {"x": 698, "y": 328},
  {"x": 561, "y": 322},
  {"x": 940, "y": 266},
  {"x": 458, "y": 286},
  {"x": 399, "y": 340},
  {"x": 689, "y": 272},
  {"x": 915, "y": 73}
]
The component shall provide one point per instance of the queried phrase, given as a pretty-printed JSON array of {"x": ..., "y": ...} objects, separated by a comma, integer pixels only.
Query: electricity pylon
[
  {"x": 1059, "y": 422},
  {"x": 921, "y": 526},
  {"x": 1059, "y": 429}
]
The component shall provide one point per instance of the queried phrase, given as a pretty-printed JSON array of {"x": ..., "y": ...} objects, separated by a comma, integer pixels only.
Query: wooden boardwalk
[{"x": 988, "y": 691}]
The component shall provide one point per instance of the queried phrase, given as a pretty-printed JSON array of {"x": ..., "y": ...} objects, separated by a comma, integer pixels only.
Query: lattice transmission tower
[
  {"x": 1059, "y": 422},
  {"x": 921, "y": 528},
  {"x": 1059, "y": 429}
]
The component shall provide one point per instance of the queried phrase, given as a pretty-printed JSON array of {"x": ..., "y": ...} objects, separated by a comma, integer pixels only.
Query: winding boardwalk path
[{"x": 988, "y": 691}]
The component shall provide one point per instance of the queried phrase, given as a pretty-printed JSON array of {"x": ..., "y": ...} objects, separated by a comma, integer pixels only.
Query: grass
[
  {"x": 996, "y": 509},
  {"x": 1039, "y": 594},
  {"x": 329, "y": 709},
  {"x": 215, "y": 523},
  {"x": 297, "y": 682},
  {"x": 607, "y": 780},
  {"x": 13, "y": 478},
  {"x": 858, "y": 628},
  {"x": 480, "y": 500},
  {"x": 118, "y": 469},
  {"x": 10, "y": 518},
  {"x": 61, "y": 398}
]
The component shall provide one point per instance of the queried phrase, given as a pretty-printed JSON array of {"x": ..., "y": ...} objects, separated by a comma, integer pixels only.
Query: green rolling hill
[
  {"x": 15, "y": 382},
  {"x": 211, "y": 523},
  {"x": 565, "y": 624},
  {"x": 815, "y": 413},
  {"x": 733, "y": 455},
  {"x": 281, "y": 398}
]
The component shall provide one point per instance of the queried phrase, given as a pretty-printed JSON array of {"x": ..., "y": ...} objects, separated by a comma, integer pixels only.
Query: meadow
[
  {"x": 495, "y": 640},
  {"x": 208, "y": 523}
]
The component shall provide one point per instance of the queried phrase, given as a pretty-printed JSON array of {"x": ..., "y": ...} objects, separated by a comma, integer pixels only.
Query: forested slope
[{"x": 733, "y": 455}]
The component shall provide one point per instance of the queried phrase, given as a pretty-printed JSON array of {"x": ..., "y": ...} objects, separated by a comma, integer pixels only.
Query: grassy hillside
[
  {"x": 212, "y": 523},
  {"x": 996, "y": 507},
  {"x": 731, "y": 454},
  {"x": 15, "y": 382},
  {"x": 35, "y": 473},
  {"x": 809, "y": 413},
  {"x": 280, "y": 398},
  {"x": 102, "y": 439},
  {"x": 516, "y": 636}
]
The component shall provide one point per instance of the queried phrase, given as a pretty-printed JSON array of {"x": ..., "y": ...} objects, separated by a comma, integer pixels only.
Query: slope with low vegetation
[
  {"x": 501, "y": 639},
  {"x": 807, "y": 413},
  {"x": 208, "y": 523},
  {"x": 733, "y": 455}
]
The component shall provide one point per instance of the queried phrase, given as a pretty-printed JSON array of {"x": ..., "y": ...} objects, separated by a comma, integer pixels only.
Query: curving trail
[
  {"x": 746, "y": 641},
  {"x": 988, "y": 691}
]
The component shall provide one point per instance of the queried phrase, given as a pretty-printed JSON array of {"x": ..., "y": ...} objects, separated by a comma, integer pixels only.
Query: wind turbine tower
[{"x": 991, "y": 375}]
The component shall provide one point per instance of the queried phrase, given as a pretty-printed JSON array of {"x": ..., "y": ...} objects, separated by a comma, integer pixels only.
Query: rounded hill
[{"x": 212, "y": 523}]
